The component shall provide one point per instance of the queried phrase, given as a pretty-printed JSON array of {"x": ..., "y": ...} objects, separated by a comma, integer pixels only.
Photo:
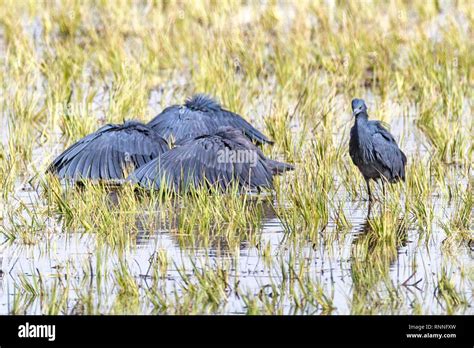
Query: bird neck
[
  {"x": 361, "y": 127},
  {"x": 361, "y": 118},
  {"x": 362, "y": 137}
]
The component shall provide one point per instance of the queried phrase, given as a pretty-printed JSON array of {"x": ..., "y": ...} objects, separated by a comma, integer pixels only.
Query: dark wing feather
[
  {"x": 201, "y": 115},
  {"x": 225, "y": 117},
  {"x": 107, "y": 153},
  {"x": 377, "y": 127},
  {"x": 390, "y": 159},
  {"x": 198, "y": 163},
  {"x": 181, "y": 123},
  {"x": 229, "y": 118}
]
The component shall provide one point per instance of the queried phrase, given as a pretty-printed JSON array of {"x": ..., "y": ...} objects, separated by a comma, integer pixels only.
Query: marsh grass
[{"x": 68, "y": 67}]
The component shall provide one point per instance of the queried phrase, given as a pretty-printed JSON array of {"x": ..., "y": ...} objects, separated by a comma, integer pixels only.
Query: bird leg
[{"x": 368, "y": 190}]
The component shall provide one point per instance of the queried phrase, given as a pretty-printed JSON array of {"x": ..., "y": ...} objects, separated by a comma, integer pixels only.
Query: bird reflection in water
[{"x": 374, "y": 253}]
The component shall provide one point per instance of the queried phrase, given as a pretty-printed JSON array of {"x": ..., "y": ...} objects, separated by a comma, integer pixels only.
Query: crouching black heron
[
  {"x": 219, "y": 160},
  {"x": 374, "y": 150},
  {"x": 201, "y": 115},
  {"x": 110, "y": 153},
  {"x": 115, "y": 150}
]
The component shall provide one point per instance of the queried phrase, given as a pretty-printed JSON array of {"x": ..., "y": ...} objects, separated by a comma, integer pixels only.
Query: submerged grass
[{"x": 68, "y": 67}]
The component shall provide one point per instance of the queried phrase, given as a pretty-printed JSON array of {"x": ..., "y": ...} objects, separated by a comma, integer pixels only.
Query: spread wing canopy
[
  {"x": 179, "y": 123},
  {"x": 201, "y": 115},
  {"x": 109, "y": 152},
  {"x": 229, "y": 118},
  {"x": 202, "y": 161}
]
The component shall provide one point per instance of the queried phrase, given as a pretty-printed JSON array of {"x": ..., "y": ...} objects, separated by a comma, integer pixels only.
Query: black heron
[
  {"x": 110, "y": 153},
  {"x": 374, "y": 150},
  {"x": 220, "y": 159},
  {"x": 114, "y": 150},
  {"x": 200, "y": 115}
]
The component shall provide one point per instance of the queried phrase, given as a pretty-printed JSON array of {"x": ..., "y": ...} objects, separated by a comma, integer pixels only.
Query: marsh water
[
  {"x": 331, "y": 266},
  {"x": 60, "y": 254}
]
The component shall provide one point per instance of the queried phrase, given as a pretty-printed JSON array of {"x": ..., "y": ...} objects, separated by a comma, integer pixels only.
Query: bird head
[
  {"x": 202, "y": 102},
  {"x": 358, "y": 106}
]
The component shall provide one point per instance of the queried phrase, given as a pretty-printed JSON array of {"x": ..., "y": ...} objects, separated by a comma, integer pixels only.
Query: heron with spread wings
[
  {"x": 194, "y": 133},
  {"x": 201, "y": 115},
  {"x": 211, "y": 160},
  {"x": 110, "y": 153}
]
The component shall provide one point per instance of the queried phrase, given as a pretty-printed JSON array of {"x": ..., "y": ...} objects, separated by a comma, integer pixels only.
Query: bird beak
[{"x": 356, "y": 111}]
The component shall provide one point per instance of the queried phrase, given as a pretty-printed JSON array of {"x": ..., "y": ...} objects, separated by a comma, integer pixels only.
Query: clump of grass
[
  {"x": 447, "y": 292},
  {"x": 214, "y": 219},
  {"x": 458, "y": 228},
  {"x": 373, "y": 253}
]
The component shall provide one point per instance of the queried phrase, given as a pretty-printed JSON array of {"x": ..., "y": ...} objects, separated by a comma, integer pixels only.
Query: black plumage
[
  {"x": 211, "y": 161},
  {"x": 201, "y": 115},
  {"x": 110, "y": 153},
  {"x": 373, "y": 149}
]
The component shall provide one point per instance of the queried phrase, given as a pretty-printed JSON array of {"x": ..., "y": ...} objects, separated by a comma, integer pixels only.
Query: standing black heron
[
  {"x": 374, "y": 150},
  {"x": 218, "y": 160},
  {"x": 200, "y": 115}
]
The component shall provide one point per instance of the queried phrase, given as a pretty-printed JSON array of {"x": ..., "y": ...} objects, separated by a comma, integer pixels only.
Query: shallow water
[
  {"x": 76, "y": 254},
  {"x": 72, "y": 257}
]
